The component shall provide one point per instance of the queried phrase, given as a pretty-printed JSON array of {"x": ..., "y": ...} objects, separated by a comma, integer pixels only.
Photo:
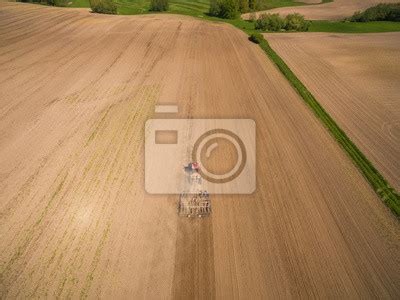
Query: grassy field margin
[{"x": 388, "y": 194}]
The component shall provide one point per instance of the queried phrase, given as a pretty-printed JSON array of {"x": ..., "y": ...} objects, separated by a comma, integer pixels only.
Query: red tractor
[{"x": 194, "y": 201}]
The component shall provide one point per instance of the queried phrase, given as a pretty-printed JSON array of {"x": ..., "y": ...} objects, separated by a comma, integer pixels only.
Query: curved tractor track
[{"x": 75, "y": 91}]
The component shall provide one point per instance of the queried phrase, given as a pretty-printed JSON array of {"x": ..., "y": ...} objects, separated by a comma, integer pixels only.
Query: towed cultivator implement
[{"x": 194, "y": 201}]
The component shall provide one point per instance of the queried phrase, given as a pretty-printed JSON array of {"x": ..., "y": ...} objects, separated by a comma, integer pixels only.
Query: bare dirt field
[
  {"x": 336, "y": 10},
  {"x": 357, "y": 79},
  {"x": 75, "y": 221}
]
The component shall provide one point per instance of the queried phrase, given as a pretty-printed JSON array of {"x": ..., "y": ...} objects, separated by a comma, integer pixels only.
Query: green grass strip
[{"x": 388, "y": 194}]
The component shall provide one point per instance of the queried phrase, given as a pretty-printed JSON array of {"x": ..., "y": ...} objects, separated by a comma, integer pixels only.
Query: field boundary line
[{"x": 380, "y": 185}]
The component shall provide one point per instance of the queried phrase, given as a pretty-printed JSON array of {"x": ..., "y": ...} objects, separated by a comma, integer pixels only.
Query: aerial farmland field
[
  {"x": 356, "y": 78},
  {"x": 333, "y": 10},
  {"x": 76, "y": 221}
]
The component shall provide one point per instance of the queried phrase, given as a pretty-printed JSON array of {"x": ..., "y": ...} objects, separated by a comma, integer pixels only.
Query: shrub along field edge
[{"x": 375, "y": 179}]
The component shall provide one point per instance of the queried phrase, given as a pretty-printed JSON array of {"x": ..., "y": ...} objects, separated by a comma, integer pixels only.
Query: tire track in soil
[{"x": 194, "y": 276}]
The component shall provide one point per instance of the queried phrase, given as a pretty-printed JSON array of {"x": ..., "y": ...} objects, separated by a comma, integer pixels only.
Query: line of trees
[
  {"x": 159, "y": 5},
  {"x": 380, "y": 12},
  {"x": 230, "y": 9},
  {"x": 274, "y": 22},
  {"x": 103, "y": 6},
  {"x": 48, "y": 2}
]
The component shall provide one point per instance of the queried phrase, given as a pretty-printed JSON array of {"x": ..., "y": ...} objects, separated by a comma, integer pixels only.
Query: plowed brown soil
[
  {"x": 357, "y": 79},
  {"x": 336, "y": 10},
  {"x": 75, "y": 91}
]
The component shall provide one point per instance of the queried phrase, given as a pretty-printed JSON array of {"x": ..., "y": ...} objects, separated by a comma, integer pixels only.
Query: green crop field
[
  {"x": 270, "y": 4},
  {"x": 185, "y": 7},
  {"x": 134, "y": 7}
]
